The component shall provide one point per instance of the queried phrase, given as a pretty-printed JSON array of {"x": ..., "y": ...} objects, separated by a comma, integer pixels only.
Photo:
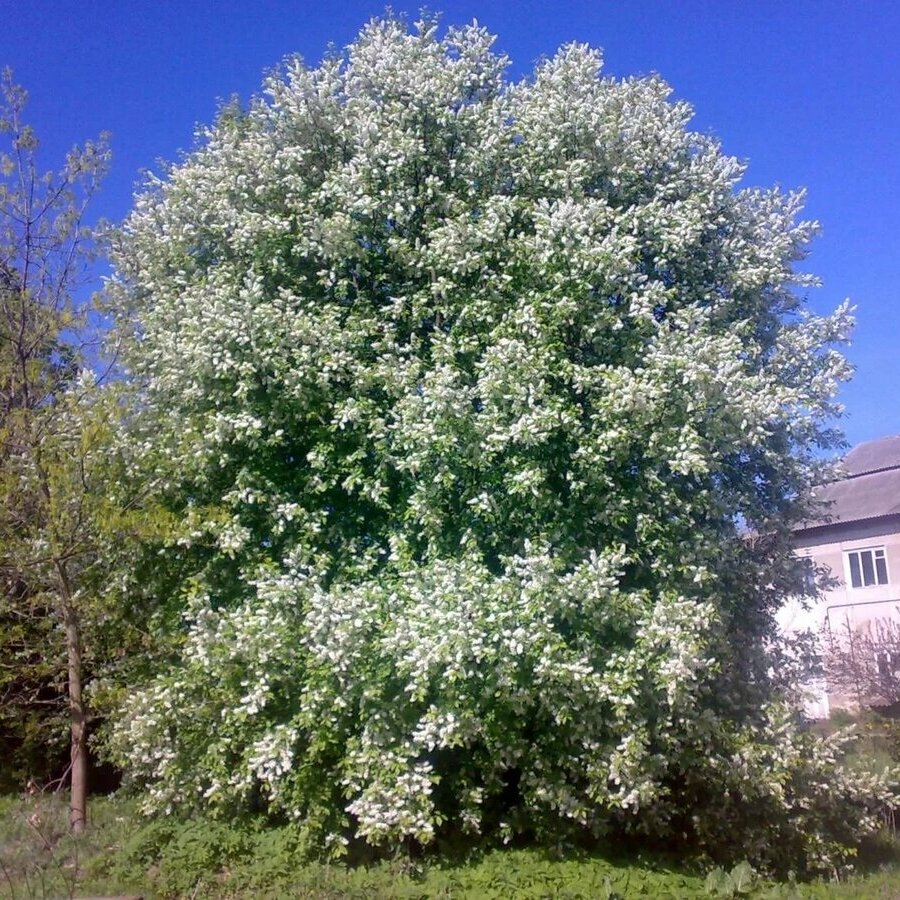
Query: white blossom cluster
[{"x": 463, "y": 391}]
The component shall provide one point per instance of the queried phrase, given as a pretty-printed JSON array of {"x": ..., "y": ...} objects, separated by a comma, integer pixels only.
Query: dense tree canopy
[{"x": 467, "y": 394}]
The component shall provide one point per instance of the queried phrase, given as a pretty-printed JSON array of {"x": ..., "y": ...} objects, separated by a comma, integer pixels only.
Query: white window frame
[{"x": 877, "y": 555}]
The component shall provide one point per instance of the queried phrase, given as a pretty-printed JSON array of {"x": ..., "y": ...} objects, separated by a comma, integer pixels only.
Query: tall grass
[{"x": 122, "y": 854}]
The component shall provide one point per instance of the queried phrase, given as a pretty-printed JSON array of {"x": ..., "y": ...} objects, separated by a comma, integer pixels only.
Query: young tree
[
  {"x": 466, "y": 394},
  {"x": 54, "y": 430},
  {"x": 864, "y": 664}
]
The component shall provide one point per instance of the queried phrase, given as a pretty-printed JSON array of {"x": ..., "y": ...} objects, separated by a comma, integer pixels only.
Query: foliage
[
  {"x": 878, "y": 744},
  {"x": 262, "y": 867},
  {"x": 124, "y": 854},
  {"x": 813, "y": 804},
  {"x": 484, "y": 411},
  {"x": 55, "y": 434},
  {"x": 741, "y": 880},
  {"x": 41, "y": 858}
]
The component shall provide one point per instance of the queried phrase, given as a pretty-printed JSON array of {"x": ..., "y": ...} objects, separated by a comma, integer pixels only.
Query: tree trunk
[{"x": 77, "y": 719}]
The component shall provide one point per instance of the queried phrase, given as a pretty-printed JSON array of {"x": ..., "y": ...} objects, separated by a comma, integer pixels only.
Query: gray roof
[
  {"x": 871, "y": 487},
  {"x": 873, "y": 456}
]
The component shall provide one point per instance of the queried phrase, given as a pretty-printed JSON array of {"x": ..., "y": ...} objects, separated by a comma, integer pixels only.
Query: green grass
[
  {"x": 122, "y": 854},
  {"x": 40, "y": 859}
]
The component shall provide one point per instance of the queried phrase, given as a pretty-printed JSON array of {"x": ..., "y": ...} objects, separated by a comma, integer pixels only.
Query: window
[
  {"x": 888, "y": 662},
  {"x": 867, "y": 567}
]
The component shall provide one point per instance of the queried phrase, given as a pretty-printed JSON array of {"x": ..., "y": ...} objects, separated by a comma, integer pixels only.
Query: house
[{"x": 858, "y": 541}]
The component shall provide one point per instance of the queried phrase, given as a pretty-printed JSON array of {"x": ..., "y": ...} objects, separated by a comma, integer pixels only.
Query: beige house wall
[{"x": 861, "y": 607}]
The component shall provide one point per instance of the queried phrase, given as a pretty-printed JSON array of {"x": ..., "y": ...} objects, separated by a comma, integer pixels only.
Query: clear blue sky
[{"x": 807, "y": 90}]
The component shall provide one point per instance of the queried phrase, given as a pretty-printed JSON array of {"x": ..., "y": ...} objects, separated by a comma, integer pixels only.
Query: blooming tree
[{"x": 466, "y": 393}]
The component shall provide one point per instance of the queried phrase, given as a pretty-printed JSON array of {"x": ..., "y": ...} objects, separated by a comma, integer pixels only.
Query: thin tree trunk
[{"x": 77, "y": 719}]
